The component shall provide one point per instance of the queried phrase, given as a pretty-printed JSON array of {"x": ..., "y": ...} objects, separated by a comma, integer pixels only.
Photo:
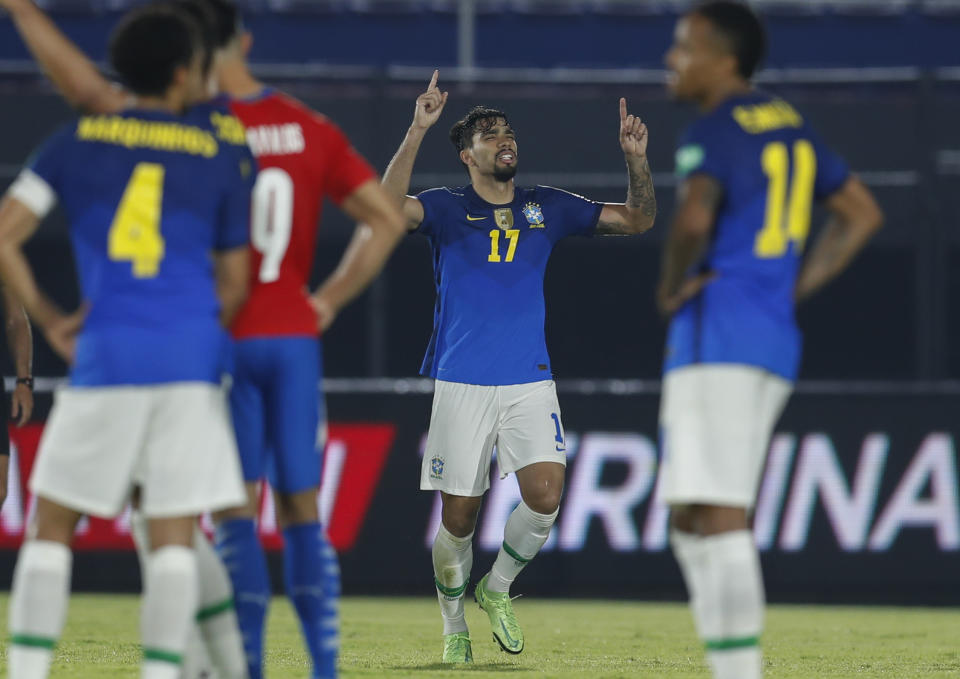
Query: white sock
[
  {"x": 169, "y": 608},
  {"x": 217, "y": 617},
  {"x": 723, "y": 578},
  {"x": 523, "y": 536},
  {"x": 452, "y": 561},
  {"x": 38, "y": 607}
]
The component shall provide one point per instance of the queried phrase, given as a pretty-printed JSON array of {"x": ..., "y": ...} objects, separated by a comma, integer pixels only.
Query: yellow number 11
[
  {"x": 780, "y": 229},
  {"x": 513, "y": 235}
]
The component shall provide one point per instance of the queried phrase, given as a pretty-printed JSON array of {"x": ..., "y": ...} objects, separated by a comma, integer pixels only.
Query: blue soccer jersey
[
  {"x": 489, "y": 262},
  {"x": 149, "y": 196},
  {"x": 771, "y": 168}
]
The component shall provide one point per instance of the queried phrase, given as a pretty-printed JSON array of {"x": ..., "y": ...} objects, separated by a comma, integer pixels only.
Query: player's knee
[
  {"x": 460, "y": 514},
  {"x": 297, "y": 508},
  {"x": 547, "y": 501}
]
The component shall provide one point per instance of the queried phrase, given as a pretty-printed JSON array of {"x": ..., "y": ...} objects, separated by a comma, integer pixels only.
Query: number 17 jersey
[
  {"x": 771, "y": 167},
  {"x": 303, "y": 157}
]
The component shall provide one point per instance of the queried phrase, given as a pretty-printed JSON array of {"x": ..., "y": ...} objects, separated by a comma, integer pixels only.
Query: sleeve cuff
[{"x": 34, "y": 192}]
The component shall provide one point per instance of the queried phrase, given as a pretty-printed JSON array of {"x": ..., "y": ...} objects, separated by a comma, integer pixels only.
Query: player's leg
[
  {"x": 716, "y": 423},
  {"x": 40, "y": 591},
  {"x": 236, "y": 535},
  {"x": 311, "y": 572},
  {"x": 83, "y": 467},
  {"x": 531, "y": 444},
  {"x": 190, "y": 465},
  {"x": 169, "y": 596},
  {"x": 456, "y": 462}
]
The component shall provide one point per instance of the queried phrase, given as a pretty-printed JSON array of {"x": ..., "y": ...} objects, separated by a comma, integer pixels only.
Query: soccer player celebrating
[
  {"x": 750, "y": 168},
  {"x": 275, "y": 401},
  {"x": 144, "y": 405},
  {"x": 491, "y": 241}
]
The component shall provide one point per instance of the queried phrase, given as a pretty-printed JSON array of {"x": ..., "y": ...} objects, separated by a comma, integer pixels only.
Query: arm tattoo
[{"x": 640, "y": 194}]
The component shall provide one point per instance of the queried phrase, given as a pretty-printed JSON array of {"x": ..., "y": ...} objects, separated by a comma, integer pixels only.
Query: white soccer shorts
[
  {"x": 521, "y": 420},
  {"x": 173, "y": 440},
  {"x": 716, "y": 421}
]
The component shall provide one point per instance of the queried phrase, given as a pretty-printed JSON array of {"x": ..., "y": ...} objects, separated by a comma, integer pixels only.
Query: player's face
[
  {"x": 692, "y": 60},
  {"x": 494, "y": 150}
]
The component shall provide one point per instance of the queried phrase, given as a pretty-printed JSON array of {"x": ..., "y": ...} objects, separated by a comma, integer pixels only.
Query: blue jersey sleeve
[
  {"x": 233, "y": 231},
  {"x": 430, "y": 200},
  {"x": 49, "y": 160},
  {"x": 832, "y": 170},
  {"x": 702, "y": 151},
  {"x": 569, "y": 214}
]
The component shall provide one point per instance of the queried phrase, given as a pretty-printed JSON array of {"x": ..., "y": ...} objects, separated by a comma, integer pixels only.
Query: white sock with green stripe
[
  {"x": 723, "y": 578},
  {"x": 216, "y": 615},
  {"x": 169, "y": 609},
  {"x": 525, "y": 533},
  {"x": 38, "y": 606},
  {"x": 452, "y": 561}
]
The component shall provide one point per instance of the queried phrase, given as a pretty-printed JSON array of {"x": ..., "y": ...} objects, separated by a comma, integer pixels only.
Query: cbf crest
[
  {"x": 436, "y": 467},
  {"x": 534, "y": 215}
]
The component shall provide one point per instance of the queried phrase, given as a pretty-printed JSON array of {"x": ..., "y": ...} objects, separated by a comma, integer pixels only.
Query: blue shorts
[{"x": 277, "y": 409}]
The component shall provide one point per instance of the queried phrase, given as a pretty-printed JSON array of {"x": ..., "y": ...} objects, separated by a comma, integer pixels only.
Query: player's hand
[
  {"x": 429, "y": 104},
  {"x": 325, "y": 311},
  {"x": 61, "y": 333},
  {"x": 21, "y": 404},
  {"x": 669, "y": 302},
  {"x": 633, "y": 133}
]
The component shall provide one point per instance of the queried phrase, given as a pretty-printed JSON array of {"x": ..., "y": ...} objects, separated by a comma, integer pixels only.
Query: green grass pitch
[{"x": 400, "y": 637}]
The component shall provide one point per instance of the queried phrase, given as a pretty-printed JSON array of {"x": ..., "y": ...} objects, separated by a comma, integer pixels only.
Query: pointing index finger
[
  {"x": 623, "y": 108},
  {"x": 433, "y": 80}
]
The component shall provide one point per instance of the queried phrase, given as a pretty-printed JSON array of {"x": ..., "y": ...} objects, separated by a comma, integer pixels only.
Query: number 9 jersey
[
  {"x": 770, "y": 166},
  {"x": 303, "y": 157}
]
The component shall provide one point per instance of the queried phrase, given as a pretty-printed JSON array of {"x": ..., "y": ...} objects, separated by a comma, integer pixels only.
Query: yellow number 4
[
  {"x": 780, "y": 230},
  {"x": 135, "y": 232},
  {"x": 513, "y": 235}
]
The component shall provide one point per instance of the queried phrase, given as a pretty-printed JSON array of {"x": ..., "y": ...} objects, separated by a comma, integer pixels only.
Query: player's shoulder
[
  {"x": 444, "y": 194},
  {"x": 218, "y": 116},
  {"x": 544, "y": 193}
]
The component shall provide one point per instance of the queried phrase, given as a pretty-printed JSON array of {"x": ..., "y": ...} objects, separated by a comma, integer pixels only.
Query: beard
[{"x": 505, "y": 173}]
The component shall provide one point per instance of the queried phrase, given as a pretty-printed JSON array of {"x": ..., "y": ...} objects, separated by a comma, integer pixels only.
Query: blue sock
[
  {"x": 242, "y": 554},
  {"x": 313, "y": 585}
]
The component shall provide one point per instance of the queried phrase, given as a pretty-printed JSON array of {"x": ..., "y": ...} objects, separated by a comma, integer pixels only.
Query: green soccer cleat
[
  {"x": 503, "y": 621},
  {"x": 457, "y": 649}
]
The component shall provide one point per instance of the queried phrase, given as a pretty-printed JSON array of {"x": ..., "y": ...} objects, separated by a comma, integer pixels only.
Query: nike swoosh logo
[
  {"x": 513, "y": 642},
  {"x": 561, "y": 450},
  {"x": 474, "y": 219}
]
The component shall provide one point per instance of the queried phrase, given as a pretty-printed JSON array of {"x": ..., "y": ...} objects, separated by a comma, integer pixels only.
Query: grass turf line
[{"x": 400, "y": 637}]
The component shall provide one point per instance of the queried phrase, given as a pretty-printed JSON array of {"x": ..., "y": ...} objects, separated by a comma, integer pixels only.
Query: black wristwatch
[{"x": 27, "y": 381}]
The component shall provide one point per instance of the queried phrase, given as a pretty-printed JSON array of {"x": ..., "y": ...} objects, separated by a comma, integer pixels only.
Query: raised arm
[
  {"x": 697, "y": 201},
  {"x": 72, "y": 72},
  {"x": 20, "y": 342},
  {"x": 854, "y": 218},
  {"x": 637, "y": 214},
  {"x": 396, "y": 179},
  {"x": 380, "y": 228}
]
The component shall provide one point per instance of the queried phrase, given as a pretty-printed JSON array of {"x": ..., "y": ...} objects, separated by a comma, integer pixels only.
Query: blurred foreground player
[
  {"x": 144, "y": 405},
  {"x": 275, "y": 399},
  {"x": 733, "y": 268},
  {"x": 491, "y": 241}
]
